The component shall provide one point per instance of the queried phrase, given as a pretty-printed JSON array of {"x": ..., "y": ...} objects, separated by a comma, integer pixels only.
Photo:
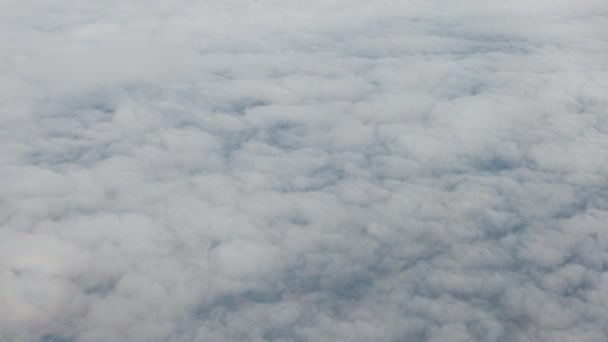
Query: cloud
[{"x": 303, "y": 171}]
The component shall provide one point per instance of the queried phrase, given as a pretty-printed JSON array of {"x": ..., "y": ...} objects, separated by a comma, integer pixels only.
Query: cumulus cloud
[{"x": 303, "y": 171}]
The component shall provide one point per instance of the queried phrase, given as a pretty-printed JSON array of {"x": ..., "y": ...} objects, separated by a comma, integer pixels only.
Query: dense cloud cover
[{"x": 387, "y": 170}]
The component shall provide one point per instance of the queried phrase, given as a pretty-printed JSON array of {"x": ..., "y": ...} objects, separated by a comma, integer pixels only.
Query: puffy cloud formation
[{"x": 358, "y": 170}]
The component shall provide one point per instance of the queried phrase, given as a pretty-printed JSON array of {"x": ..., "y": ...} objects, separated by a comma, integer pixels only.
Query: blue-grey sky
[{"x": 388, "y": 170}]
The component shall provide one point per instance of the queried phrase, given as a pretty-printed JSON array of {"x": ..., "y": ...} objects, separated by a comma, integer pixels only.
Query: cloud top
[{"x": 303, "y": 171}]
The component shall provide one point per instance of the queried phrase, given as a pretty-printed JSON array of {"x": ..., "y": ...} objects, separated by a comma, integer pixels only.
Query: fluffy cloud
[{"x": 303, "y": 171}]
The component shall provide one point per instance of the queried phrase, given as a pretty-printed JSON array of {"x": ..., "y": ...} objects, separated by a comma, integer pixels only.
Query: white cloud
[{"x": 303, "y": 171}]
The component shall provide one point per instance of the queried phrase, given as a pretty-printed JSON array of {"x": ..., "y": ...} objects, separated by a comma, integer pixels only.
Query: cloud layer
[{"x": 303, "y": 171}]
